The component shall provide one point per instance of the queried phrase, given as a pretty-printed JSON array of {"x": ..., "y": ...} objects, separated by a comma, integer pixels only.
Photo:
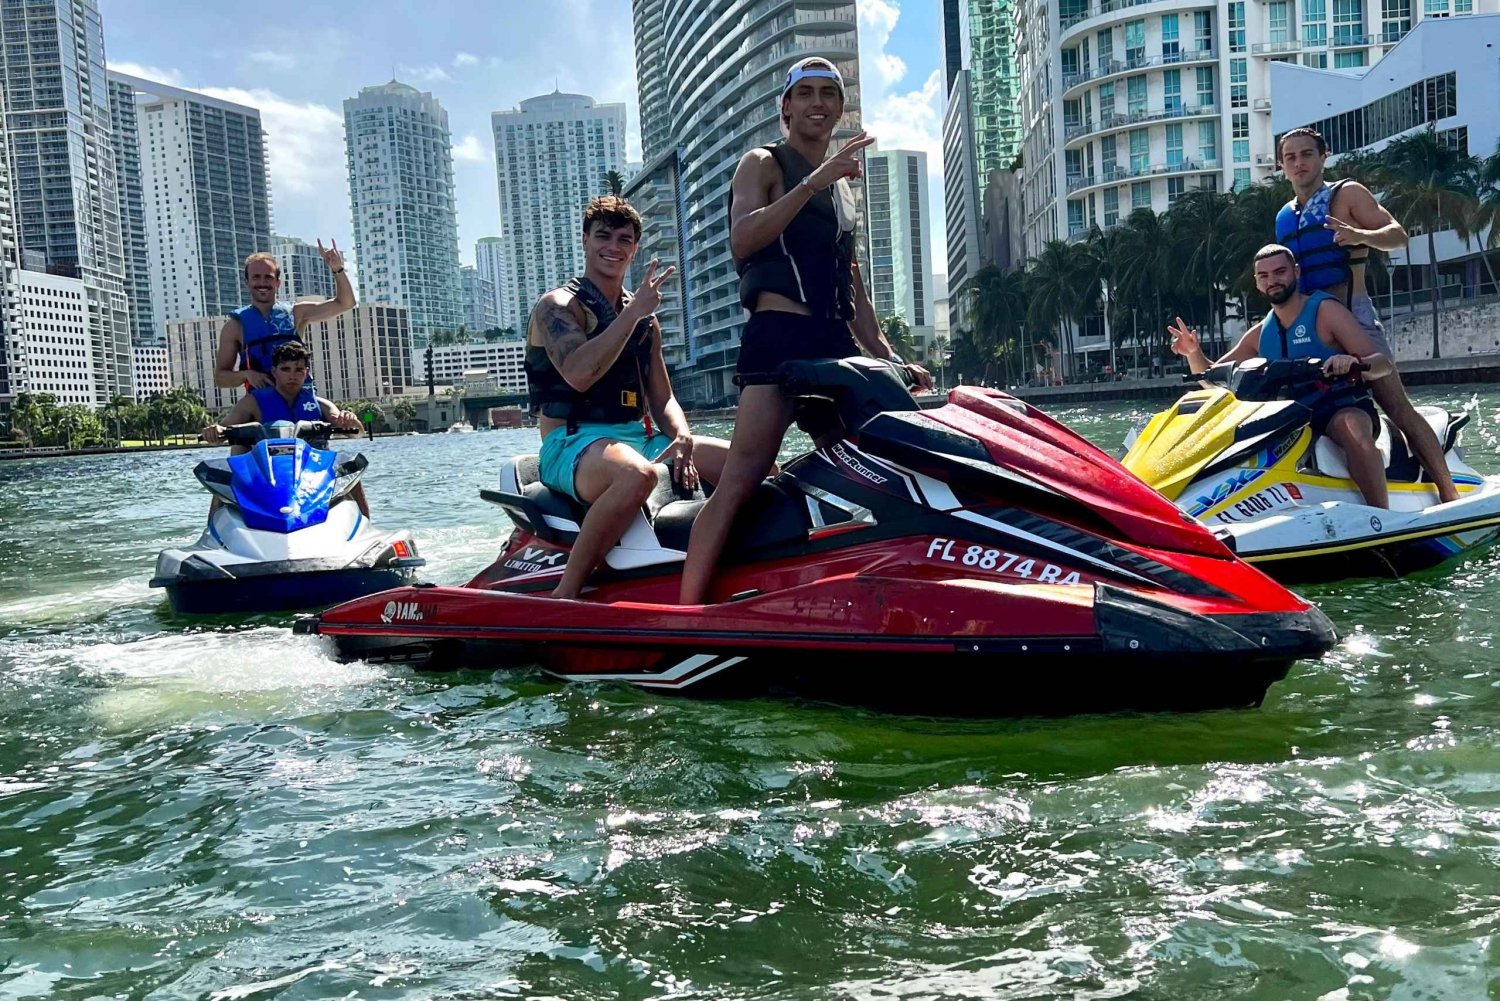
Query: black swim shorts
[{"x": 772, "y": 337}]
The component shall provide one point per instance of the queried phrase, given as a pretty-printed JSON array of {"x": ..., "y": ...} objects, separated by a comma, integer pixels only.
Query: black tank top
[
  {"x": 810, "y": 261},
  {"x": 619, "y": 394}
]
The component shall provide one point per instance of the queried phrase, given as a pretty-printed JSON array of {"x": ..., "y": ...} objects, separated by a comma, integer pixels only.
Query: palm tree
[
  {"x": 1425, "y": 186},
  {"x": 1203, "y": 225},
  {"x": 1147, "y": 273},
  {"x": 1056, "y": 286},
  {"x": 614, "y": 182},
  {"x": 999, "y": 310}
]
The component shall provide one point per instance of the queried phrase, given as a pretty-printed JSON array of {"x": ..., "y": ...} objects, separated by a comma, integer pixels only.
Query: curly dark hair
[
  {"x": 291, "y": 351},
  {"x": 614, "y": 212}
]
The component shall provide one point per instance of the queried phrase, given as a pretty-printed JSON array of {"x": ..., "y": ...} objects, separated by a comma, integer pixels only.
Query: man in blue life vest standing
[
  {"x": 290, "y": 398},
  {"x": 252, "y": 333},
  {"x": 1331, "y": 229},
  {"x": 1318, "y": 326}
]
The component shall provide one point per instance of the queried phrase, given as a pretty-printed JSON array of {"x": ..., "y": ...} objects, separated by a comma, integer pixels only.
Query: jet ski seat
[
  {"x": 772, "y": 515},
  {"x": 1401, "y": 464}
]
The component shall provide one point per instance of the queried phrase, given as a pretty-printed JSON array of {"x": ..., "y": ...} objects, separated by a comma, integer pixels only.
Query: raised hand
[
  {"x": 1344, "y": 234},
  {"x": 648, "y": 296},
  {"x": 331, "y": 255},
  {"x": 1184, "y": 339},
  {"x": 844, "y": 163}
]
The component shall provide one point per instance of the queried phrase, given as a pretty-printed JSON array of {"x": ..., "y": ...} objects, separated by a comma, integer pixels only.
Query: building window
[
  {"x": 1174, "y": 144},
  {"x": 1344, "y": 60},
  {"x": 1208, "y": 142},
  {"x": 1140, "y": 151},
  {"x": 1140, "y": 195},
  {"x": 1106, "y": 103},
  {"x": 1239, "y": 90},
  {"x": 1109, "y": 160},
  {"x": 1175, "y": 186},
  {"x": 1170, "y": 49},
  {"x": 1237, "y": 26},
  {"x": 1075, "y": 217},
  {"x": 1277, "y": 23},
  {"x": 1241, "y": 178},
  {"x": 1135, "y": 43},
  {"x": 1241, "y": 126},
  {"x": 1203, "y": 30},
  {"x": 1111, "y": 207},
  {"x": 1135, "y": 95},
  {"x": 1171, "y": 85},
  {"x": 1395, "y": 20},
  {"x": 1435, "y": 8},
  {"x": 1348, "y": 22},
  {"x": 1205, "y": 76},
  {"x": 1104, "y": 44},
  {"x": 1317, "y": 60},
  {"x": 1242, "y": 151}
]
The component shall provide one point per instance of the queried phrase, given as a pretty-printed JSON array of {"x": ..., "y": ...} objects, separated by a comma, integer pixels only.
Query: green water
[{"x": 219, "y": 810}]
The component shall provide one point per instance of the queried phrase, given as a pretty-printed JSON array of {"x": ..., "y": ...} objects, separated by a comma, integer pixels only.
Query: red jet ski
[{"x": 979, "y": 558}]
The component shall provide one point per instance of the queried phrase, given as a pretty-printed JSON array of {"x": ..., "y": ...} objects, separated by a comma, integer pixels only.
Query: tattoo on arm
[{"x": 560, "y": 332}]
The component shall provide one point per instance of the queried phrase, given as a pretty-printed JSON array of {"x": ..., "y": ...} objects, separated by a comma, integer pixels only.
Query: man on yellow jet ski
[{"x": 1312, "y": 326}]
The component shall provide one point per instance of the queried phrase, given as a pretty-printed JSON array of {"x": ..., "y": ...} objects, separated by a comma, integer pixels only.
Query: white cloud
[
  {"x": 465, "y": 59},
  {"x": 877, "y": 18},
  {"x": 471, "y": 150},
  {"x": 305, "y": 142},
  {"x": 273, "y": 59},
  {"x": 424, "y": 74},
  {"x": 168, "y": 76}
]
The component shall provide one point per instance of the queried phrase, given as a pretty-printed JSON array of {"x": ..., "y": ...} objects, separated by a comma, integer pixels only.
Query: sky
[{"x": 298, "y": 63}]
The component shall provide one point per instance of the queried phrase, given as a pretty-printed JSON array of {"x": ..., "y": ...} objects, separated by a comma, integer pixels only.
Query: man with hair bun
[
  {"x": 252, "y": 333},
  {"x": 597, "y": 379}
]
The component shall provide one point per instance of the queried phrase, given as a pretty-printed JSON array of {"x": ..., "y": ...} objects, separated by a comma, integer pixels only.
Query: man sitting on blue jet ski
[
  {"x": 1316, "y": 325},
  {"x": 289, "y": 398}
]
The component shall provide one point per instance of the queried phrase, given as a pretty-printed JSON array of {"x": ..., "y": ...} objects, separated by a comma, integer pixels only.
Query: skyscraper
[
  {"x": 489, "y": 258},
  {"x": 12, "y": 343},
  {"x": 400, "y": 158},
  {"x": 479, "y": 300},
  {"x": 897, "y": 219},
  {"x": 710, "y": 74},
  {"x": 207, "y": 205},
  {"x": 133, "y": 234},
  {"x": 551, "y": 155},
  {"x": 63, "y": 178}
]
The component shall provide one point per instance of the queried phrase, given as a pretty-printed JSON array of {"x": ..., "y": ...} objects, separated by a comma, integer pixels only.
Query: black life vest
[
  {"x": 809, "y": 262},
  {"x": 619, "y": 395}
]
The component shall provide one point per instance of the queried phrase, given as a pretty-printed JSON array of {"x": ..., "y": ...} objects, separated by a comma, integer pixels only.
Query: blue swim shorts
[{"x": 561, "y": 451}]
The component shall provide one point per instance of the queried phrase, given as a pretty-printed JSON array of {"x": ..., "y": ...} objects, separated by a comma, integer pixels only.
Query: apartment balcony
[
  {"x": 1120, "y": 175},
  {"x": 1338, "y": 41},
  {"x": 1263, "y": 104},
  {"x": 1074, "y": 134},
  {"x": 1105, "y": 69}
]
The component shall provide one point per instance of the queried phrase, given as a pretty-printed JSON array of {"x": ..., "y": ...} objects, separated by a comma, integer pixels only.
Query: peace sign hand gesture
[
  {"x": 1346, "y": 235},
  {"x": 1184, "y": 339},
  {"x": 648, "y": 296},
  {"x": 844, "y": 163},
  {"x": 331, "y": 255}
]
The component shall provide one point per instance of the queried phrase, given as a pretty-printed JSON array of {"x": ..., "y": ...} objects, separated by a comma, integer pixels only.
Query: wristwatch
[{"x": 806, "y": 182}]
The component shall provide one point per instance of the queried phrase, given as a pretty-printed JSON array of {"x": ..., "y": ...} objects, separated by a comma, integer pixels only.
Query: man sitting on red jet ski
[
  {"x": 1312, "y": 326},
  {"x": 596, "y": 374}
]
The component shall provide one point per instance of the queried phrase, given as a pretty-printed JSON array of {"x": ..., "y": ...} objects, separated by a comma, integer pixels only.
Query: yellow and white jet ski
[{"x": 1241, "y": 457}]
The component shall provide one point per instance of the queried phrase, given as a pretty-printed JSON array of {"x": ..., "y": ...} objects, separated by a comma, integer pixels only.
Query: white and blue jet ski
[{"x": 286, "y": 534}]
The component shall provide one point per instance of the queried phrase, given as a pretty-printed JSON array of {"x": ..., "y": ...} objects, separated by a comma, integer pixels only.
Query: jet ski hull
[
  {"x": 292, "y": 590},
  {"x": 959, "y": 648}
]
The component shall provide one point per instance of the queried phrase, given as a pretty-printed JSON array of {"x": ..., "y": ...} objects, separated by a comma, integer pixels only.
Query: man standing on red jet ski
[{"x": 595, "y": 370}]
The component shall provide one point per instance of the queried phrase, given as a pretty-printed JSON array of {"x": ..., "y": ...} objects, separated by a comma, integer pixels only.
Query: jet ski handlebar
[
  {"x": 1265, "y": 379},
  {"x": 249, "y": 434}
]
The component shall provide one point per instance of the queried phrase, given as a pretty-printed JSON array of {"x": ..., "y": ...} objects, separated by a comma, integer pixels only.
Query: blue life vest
[
  {"x": 262, "y": 335},
  {"x": 1301, "y": 341},
  {"x": 274, "y": 408},
  {"x": 1323, "y": 264}
]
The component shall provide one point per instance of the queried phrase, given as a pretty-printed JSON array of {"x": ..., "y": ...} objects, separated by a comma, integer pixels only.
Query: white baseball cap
[{"x": 814, "y": 67}]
